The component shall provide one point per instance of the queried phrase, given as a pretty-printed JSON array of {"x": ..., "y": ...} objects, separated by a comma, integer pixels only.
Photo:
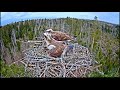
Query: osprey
[
  {"x": 55, "y": 48},
  {"x": 58, "y": 35}
]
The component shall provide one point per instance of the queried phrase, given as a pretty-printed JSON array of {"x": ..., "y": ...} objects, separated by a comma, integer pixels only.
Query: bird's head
[
  {"x": 49, "y": 30},
  {"x": 47, "y": 36},
  {"x": 50, "y": 47}
]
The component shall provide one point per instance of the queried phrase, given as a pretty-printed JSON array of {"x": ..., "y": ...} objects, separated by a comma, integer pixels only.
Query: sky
[{"x": 11, "y": 17}]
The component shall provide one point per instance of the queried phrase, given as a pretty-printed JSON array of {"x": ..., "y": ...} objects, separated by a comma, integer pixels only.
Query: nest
[{"x": 78, "y": 63}]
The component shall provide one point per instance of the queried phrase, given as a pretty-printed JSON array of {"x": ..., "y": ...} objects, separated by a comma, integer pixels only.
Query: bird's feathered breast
[
  {"x": 57, "y": 43},
  {"x": 56, "y": 52}
]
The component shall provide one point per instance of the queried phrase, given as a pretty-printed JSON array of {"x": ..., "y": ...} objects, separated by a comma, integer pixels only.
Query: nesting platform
[{"x": 78, "y": 63}]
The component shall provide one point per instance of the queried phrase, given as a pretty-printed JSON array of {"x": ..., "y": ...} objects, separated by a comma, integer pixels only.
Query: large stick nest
[{"x": 78, "y": 63}]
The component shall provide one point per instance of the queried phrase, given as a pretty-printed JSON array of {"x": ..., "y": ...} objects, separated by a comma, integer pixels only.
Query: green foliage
[
  {"x": 11, "y": 71},
  {"x": 18, "y": 45},
  {"x": 31, "y": 34},
  {"x": 102, "y": 42},
  {"x": 105, "y": 54}
]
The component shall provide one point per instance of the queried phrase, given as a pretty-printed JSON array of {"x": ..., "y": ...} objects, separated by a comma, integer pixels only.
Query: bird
[
  {"x": 55, "y": 48},
  {"x": 49, "y": 39},
  {"x": 58, "y": 35}
]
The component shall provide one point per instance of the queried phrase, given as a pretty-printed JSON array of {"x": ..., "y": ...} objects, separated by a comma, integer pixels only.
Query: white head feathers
[
  {"x": 49, "y": 30},
  {"x": 51, "y": 47}
]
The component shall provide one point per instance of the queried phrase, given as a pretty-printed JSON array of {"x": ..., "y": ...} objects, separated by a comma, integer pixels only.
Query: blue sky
[{"x": 9, "y": 17}]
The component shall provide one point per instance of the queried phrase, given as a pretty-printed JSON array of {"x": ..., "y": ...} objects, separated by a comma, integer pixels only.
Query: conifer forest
[{"x": 100, "y": 38}]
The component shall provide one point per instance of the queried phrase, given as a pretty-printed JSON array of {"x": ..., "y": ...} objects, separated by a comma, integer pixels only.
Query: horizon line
[{"x": 54, "y": 18}]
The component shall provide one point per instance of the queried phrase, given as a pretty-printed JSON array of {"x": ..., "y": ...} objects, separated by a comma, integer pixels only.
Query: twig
[{"x": 73, "y": 74}]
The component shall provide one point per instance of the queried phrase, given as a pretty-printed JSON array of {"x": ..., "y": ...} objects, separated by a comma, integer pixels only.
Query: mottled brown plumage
[
  {"x": 58, "y": 35},
  {"x": 56, "y": 52},
  {"x": 59, "y": 46}
]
